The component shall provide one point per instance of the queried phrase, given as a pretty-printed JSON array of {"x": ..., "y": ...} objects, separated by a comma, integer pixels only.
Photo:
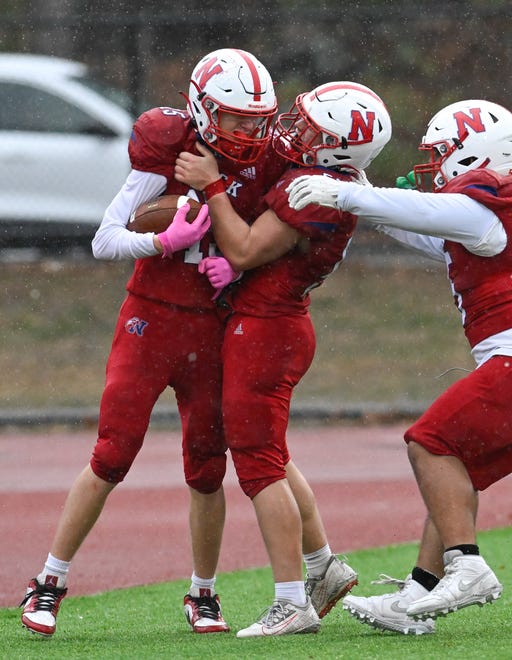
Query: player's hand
[
  {"x": 197, "y": 171},
  {"x": 181, "y": 234},
  {"x": 320, "y": 190},
  {"x": 407, "y": 182},
  {"x": 219, "y": 271}
]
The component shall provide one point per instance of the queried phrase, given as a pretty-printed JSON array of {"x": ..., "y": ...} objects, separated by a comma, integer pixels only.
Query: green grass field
[{"x": 148, "y": 622}]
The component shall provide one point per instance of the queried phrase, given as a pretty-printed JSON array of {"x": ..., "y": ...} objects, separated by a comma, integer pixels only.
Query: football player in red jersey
[
  {"x": 462, "y": 443},
  {"x": 168, "y": 332},
  {"x": 337, "y": 130}
]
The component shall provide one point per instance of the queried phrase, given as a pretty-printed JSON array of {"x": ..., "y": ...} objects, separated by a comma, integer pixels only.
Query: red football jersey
[
  {"x": 482, "y": 286},
  {"x": 158, "y": 136},
  {"x": 282, "y": 286}
]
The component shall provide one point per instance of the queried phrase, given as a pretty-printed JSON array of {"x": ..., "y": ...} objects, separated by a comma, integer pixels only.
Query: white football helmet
[
  {"x": 465, "y": 136},
  {"x": 232, "y": 81},
  {"x": 339, "y": 124}
]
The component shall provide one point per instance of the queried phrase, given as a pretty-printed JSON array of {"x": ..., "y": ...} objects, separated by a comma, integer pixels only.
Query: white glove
[{"x": 320, "y": 190}]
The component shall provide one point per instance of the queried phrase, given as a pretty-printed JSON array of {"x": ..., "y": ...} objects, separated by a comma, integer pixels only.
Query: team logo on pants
[{"x": 135, "y": 326}]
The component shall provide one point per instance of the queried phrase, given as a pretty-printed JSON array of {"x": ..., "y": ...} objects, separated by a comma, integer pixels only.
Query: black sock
[
  {"x": 425, "y": 578},
  {"x": 465, "y": 548}
]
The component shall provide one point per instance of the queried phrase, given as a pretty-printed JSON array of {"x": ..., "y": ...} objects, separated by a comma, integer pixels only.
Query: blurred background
[{"x": 386, "y": 330}]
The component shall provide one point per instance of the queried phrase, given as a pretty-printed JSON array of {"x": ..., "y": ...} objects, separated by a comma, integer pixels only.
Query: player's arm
[
  {"x": 156, "y": 135},
  {"x": 450, "y": 216},
  {"x": 242, "y": 245},
  {"x": 113, "y": 241},
  {"x": 247, "y": 246},
  {"x": 427, "y": 246}
]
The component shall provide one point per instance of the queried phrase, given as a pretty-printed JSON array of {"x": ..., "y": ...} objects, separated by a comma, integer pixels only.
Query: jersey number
[{"x": 194, "y": 254}]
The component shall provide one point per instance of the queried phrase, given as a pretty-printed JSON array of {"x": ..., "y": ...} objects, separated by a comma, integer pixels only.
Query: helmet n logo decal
[
  {"x": 465, "y": 121},
  {"x": 361, "y": 126},
  {"x": 208, "y": 70}
]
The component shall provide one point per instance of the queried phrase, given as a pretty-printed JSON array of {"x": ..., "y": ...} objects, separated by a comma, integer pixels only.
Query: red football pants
[
  {"x": 155, "y": 346},
  {"x": 264, "y": 358},
  {"x": 472, "y": 420}
]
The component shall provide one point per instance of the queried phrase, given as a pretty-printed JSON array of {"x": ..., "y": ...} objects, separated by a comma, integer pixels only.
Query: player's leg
[
  {"x": 207, "y": 516},
  {"x": 82, "y": 508},
  {"x": 260, "y": 371},
  {"x": 430, "y": 553},
  {"x": 202, "y": 603},
  {"x": 263, "y": 360},
  {"x": 313, "y": 532},
  {"x": 45, "y": 592},
  {"x": 452, "y": 503},
  {"x": 328, "y": 578},
  {"x": 126, "y": 405},
  {"x": 457, "y": 446},
  {"x": 198, "y": 388},
  {"x": 448, "y": 494},
  {"x": 279, "y": 521}
]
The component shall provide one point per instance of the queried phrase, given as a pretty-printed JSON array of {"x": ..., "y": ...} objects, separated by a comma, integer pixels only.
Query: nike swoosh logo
[
  {"x": 466, "y": 586},
  {"x": 396, "y": 608},
  {"x": 266, "y": 630}
]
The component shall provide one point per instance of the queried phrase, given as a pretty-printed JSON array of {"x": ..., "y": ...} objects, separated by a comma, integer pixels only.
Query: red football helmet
[
  {"x": 232, "y": 81},
  {"x": 465, "y": 136},
  {"x": 339, "y": 124}
]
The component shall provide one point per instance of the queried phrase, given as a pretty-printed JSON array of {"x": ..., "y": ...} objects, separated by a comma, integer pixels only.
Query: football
[{"x": 157, "y": 214}]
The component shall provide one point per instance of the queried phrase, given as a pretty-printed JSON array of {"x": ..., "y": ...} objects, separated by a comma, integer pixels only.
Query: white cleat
[
  {"x": 468, "y": 580},
  {"x": 389, "y": 611},
  {"x": 284, "y": 618},
  {"x": 327, "y": 590}
]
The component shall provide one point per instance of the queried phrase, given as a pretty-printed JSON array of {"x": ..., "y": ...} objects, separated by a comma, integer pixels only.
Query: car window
[
  {"x": 27, "y": 108},
  {"x": 114, "y": 94}
]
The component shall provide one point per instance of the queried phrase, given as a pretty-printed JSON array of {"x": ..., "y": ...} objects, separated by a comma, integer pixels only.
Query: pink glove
[
  {"x": 219, "y": 272},
  {"x": 181, "y": 234}
]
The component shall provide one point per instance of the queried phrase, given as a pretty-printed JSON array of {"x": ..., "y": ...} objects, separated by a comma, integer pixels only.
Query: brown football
[{"x": 157, "y": 214}]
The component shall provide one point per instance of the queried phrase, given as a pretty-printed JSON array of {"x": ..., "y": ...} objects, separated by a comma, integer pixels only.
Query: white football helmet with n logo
[
  {"x": 235, "y": 82},
  {"x": 339, "y": 124},
  {"x": 465, "y": 136}
]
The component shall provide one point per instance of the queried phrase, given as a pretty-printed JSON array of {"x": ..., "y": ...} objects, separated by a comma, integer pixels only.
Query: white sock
[
  {"x": 202, "y": 586},
  {"x": 316, "y": 562},
  {"x": 55, "y": 572},
  {"x": 293, "y": 591}
]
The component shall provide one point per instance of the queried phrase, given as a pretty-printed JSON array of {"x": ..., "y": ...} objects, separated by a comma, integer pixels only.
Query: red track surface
[{"x": 361, "y": 477}]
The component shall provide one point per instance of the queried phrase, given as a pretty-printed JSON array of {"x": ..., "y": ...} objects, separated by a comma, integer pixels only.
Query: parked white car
[{"x": 63, "y": 148}]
